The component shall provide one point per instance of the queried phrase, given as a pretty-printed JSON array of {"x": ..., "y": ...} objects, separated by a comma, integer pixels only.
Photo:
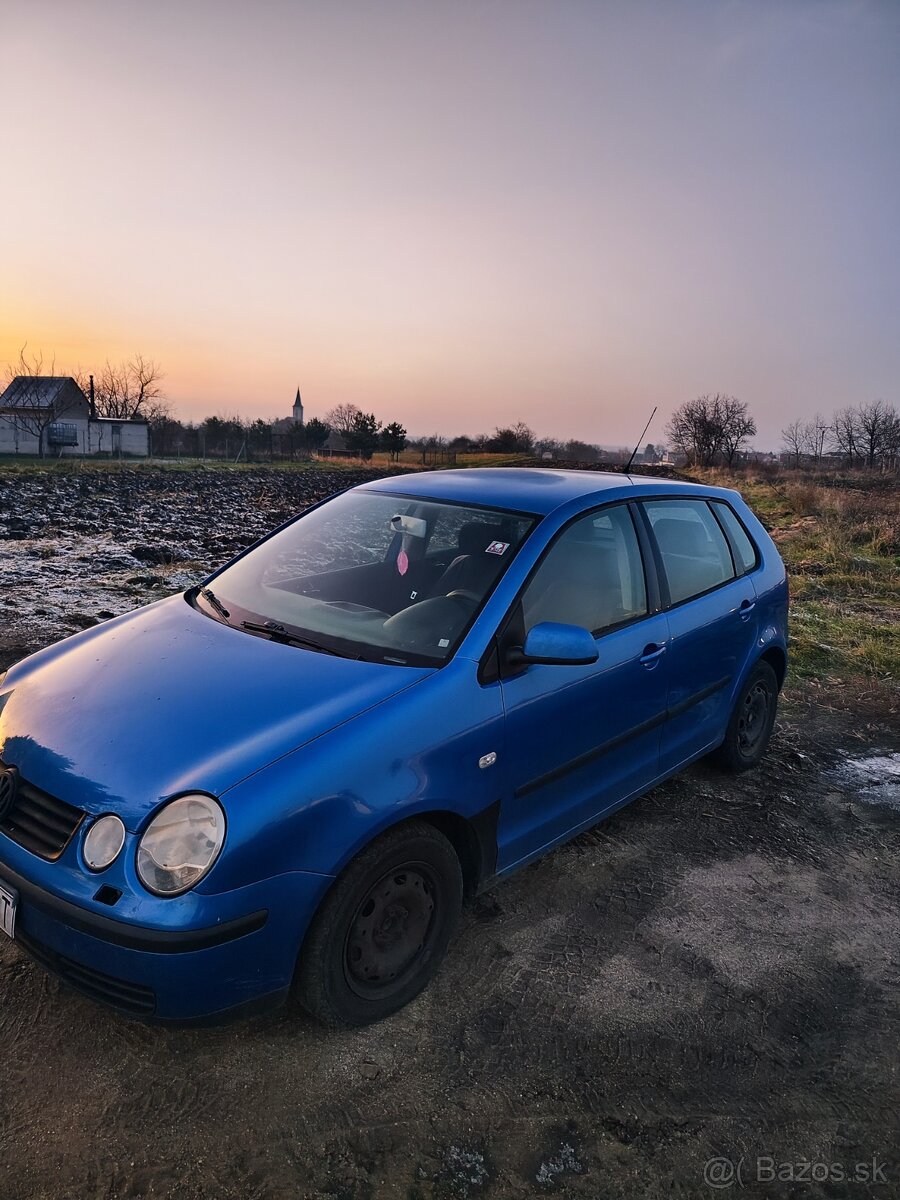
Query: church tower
[{"x": 298, "y": 409}]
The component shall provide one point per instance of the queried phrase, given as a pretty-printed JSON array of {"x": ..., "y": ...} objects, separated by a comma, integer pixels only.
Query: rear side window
[
  {"x": 694, "y": 551},
  {"x": 592, "y": 575},
  {"x": 744, "y": 548}
]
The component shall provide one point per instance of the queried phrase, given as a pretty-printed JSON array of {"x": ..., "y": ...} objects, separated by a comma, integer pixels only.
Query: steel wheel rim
[
  {"x": 753, "y": 719},
  {"x": 392, "y": 931}
]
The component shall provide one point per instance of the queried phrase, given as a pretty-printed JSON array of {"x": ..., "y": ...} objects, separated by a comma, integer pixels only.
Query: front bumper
[{"x": 226, "y": 967}]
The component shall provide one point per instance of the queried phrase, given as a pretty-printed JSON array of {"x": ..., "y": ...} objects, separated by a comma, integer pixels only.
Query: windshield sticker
[
  {"x": 497, "y": 548},
  {"x": 402, "y": 562},
  {"x": 444, "y": 643}
]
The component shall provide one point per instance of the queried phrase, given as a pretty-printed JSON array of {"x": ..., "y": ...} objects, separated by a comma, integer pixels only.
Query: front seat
[
  {"x": 583, "y": 587},
  {"x": 473, "y": 569}
]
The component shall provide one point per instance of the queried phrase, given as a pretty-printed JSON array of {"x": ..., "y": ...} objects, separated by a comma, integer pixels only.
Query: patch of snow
[
  {"x": 56, "y": 585},
  {"x": 465, "y": 1170},
  {"x": 875, "y": 777},
  {"x": 563, "y": 1162}
]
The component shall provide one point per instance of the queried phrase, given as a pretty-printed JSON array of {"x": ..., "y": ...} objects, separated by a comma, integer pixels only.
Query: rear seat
[{"x": 690, "y": 558}]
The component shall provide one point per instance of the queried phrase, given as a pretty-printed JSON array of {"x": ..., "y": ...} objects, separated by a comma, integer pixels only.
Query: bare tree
[
  {"x": 794, "y": 439},
  {"x": 129, "y": 390},
  {"x": 737, "y": 426},
  {"x": 696, "y": 430},
  {"x": 873, "y": 424},
  {"x": 844, "y": 433},
  {"x": 524, "y": 437},
  {"x": 710, "y": 428},
  {"x": 892, "y": 440},
  {"x": 512, "y": 439},
  {"x": 342, "y": 418},
  {"x": 29, "y": 405}
]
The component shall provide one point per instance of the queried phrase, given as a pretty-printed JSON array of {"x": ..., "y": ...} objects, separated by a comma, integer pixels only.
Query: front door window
[{"x": 592, "y": 575}]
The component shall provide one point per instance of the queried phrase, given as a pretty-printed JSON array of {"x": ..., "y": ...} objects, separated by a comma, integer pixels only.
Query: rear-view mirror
[{"x": 413, "y": 526}]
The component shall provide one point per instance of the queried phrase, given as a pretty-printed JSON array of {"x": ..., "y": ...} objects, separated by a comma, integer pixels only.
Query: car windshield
[{"x": 372, "y": 575}]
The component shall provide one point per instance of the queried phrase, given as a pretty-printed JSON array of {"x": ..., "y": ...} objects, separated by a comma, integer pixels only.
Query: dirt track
[{"x": 715, "y": 971}]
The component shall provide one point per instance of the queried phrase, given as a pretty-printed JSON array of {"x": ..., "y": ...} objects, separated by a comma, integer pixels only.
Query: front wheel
[
  {"x": 383, "y": 929},
  {"x": 752, "y": 719}
]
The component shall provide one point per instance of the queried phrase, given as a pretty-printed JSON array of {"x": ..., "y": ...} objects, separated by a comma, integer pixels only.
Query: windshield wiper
[
  {"x": 277, "y": 632},
  {"x": 211, "y": 598}
]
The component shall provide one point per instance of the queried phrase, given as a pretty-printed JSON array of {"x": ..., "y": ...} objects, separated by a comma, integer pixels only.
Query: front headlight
[
  {"x": 180, "y": 845},
  {"x": 103, "y": 841}
]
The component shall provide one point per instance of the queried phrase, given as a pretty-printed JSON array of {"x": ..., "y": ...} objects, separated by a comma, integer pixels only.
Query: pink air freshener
[{"x": 402, "y": 562}]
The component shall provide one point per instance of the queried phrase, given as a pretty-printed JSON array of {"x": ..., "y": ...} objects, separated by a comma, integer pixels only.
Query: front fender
[{"x": 316, "y": 808}]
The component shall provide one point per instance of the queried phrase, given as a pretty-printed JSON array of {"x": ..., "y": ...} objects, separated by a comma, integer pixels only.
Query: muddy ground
[{"x": 713, "y": 973}]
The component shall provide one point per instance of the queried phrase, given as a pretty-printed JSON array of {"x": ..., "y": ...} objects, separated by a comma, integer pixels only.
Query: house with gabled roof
[{"x": 50, "y": 416}]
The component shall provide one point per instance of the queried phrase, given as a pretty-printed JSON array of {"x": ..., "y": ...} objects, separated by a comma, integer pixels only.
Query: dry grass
[{"x": 840, "y": 538}]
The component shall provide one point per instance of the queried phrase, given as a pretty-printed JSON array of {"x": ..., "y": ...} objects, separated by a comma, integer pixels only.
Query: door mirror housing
[{"x": 554, "y": 644}]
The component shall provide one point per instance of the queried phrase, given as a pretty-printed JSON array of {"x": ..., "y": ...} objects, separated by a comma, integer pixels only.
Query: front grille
[
  {"x": 40, "y": 822},
  {"x": 132, "y": 998}
]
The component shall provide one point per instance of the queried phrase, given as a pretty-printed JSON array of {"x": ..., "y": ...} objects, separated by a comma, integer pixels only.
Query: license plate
[{"x": 9, "y": 901}]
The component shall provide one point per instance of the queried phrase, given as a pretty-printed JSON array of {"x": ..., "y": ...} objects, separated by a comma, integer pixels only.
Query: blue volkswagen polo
[{"x": 293, "y": 774}]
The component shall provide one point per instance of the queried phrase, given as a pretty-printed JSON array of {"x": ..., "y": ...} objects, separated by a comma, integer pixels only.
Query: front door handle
[
  {"x": 747, "y": 607},
  {"x": 652, "y": 654}
]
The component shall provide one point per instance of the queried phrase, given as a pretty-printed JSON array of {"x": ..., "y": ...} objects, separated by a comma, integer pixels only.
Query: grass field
[{"x": 840, "y": 539}]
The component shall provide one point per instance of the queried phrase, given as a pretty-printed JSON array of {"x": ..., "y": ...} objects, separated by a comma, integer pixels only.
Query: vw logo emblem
[{"x": 9, "y": 785}]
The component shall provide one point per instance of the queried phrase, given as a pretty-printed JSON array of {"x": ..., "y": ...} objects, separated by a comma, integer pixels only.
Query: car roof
[{"x": 538, "y": 490}]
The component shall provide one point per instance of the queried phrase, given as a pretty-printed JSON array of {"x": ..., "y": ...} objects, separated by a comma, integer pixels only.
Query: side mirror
[{"x": 558, "y": 645}]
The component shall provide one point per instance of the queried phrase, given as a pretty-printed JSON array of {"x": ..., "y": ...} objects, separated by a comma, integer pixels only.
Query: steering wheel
[{"x": 464, "y": 594}]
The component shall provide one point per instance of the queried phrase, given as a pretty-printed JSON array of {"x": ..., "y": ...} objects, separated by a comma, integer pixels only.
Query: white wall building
[{"x": 52, "y": 413}]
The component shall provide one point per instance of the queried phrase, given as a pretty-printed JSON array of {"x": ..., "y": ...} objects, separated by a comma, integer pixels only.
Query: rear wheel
[
  {"x": 383, "y": 929},
  {"x": 752, "y": 719}
]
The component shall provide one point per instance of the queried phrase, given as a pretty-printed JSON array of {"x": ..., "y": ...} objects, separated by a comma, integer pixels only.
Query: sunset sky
[{"x": 459, "y": 214}]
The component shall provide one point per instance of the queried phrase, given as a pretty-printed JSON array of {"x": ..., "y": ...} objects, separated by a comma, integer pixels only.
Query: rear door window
[
  {"x": 744, "y": 549},
  {"x": 694, "y": 550}
]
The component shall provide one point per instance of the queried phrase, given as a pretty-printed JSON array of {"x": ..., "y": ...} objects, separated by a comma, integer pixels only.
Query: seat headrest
[
  {"x": 681, "y": 537},
  {"x": 475, "y": 537},
  {"x": 584, "y": 562}
]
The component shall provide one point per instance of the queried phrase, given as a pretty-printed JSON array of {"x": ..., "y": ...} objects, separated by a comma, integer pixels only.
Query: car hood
[{"x": 166, "y": 700}]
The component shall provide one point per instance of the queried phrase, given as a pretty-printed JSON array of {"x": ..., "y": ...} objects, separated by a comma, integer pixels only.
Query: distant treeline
[
  {"x": 359, "y": 435},
  {"x": 714, "y": 429},
  {"x": 708, "y": 431},
  {"x": 862, "y": 435}
]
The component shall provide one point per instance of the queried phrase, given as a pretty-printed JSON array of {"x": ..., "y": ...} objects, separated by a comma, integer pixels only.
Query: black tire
[
  {"x": 352, "y": 970},
  {"x": 752, "y": 719}
]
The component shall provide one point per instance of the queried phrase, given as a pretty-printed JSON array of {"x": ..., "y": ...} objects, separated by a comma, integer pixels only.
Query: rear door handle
[
  {"x": 652, "y": 654},
  {"x": 747, "y": 607}
]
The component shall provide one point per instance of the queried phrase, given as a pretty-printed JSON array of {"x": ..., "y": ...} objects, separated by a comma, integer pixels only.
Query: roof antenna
[{"x": 640, "y": 439}]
